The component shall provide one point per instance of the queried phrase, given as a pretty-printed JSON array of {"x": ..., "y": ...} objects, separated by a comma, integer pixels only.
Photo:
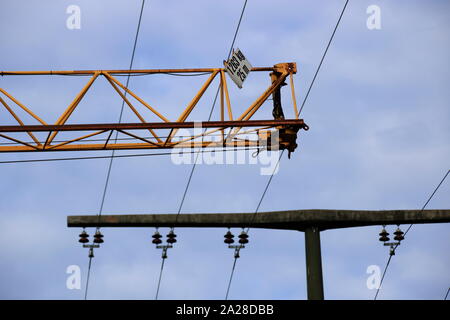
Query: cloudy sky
[{"x": 379, "y": 139}]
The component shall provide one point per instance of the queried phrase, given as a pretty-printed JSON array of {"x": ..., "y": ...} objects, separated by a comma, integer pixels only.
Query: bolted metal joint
[{"x": 164, "y": 250}]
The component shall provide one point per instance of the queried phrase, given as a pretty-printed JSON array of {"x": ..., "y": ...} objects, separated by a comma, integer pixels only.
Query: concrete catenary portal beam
[
  {"x": 311, "y": 222},
  {"x": 286, "y": 220}
]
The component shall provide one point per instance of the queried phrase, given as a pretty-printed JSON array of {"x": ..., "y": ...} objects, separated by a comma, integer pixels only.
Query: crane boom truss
[{"x": 230, "y": 130}]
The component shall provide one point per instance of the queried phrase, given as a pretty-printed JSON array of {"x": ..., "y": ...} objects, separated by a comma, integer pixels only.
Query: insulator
[
  {"x": 384, "y": 235},
  {"x": 384, "y": 232},
  {"x": 243, "y": 240},
  {"x": 399, "y": 235},
  {"x": 83, "y": 237},
  {"x": 228, "y": 241},
  {"x": 229, "y": 238},
  {"x": 243, "y": 235},
  {"x": 171, "y": 234},
  {"x": 171, "y": 237},
  {"x": 83, "y": 240},
  {"x": 156, "y": 235},
  {"x": 98, "y": 234},
  {"x": 98, "y": 237},
  {"x": 83, "y": 234},
  {"x": 229, "y": 235},
  {"x": 157, "y": 241}
]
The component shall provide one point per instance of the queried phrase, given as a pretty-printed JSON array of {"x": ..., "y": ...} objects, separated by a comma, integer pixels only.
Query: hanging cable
[
  {"x": 113, "y": 152},
  {"x": 196, "y": 159},
  {"x": 238, "y": 249},
  {"x": 120, "y": 156},
  {"x": 211, "y": 112},
  {"x": 323, "y": 57},
  {"x": 394, "y": 248},
  {"x": 271, "y": 176},
  {"x": 159, "y": 279}
]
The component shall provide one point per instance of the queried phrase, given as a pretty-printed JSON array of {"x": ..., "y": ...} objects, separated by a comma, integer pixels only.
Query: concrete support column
[{"x": 313, "y": 264}]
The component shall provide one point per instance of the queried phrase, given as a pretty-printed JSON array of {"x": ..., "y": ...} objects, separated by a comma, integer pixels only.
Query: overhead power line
[
  {"x": 212, "y": 108},
  {"x": 423, "y": 208},
  {"x": 195, "y": 162},
  {"x": 253, "y": 219},
  {"x": 184, "y": 196},
  {"x": 121, "y": 109},
  {"x": 123, "y": 156},
  {"x": 279, "y": 159},
  {"x": 323, "y": 57},
  {"x": 116, "y": 136}
]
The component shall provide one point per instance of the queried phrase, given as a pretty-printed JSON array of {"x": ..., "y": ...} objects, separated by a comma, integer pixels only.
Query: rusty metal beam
[
  {"x": 153, "y": 125},
  {"x": 133, "y": 146},
  {"x": 122, "y": 71}
]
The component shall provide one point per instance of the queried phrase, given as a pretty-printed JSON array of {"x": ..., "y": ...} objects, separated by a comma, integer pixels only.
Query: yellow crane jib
[{"x": 230, "y": 130}]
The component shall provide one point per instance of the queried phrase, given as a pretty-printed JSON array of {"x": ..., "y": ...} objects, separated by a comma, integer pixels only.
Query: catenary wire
[
  {"x": 423, "y": 208},
  {"x": 113, "y": 152},
  {"x": 191, "y": 173},
  {"x": 211, "y": 112},
  {"x": 253, "y": 218},
  {"x": 271, "y": 176},
  {"x": 323, "y": 57},
  {"x": 122, "y": 156}
]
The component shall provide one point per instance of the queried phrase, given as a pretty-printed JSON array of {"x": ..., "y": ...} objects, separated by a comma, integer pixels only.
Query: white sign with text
[{"x": 238, "y": 67}]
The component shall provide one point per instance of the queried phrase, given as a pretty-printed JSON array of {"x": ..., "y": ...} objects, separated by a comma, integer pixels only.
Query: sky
[{"x": 378, "y": 140}]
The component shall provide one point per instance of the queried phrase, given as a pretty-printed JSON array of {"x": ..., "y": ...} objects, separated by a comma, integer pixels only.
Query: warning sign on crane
[{"x": 238, "y": 67}]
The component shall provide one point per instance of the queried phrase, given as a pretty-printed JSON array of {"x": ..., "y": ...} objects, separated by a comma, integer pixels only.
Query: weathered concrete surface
[{"x": 288, "y": 220}]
